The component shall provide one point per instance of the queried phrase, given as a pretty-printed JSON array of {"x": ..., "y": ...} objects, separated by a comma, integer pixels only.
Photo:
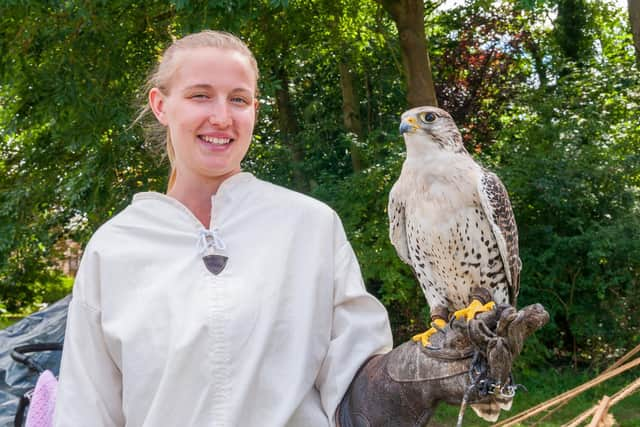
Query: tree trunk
[
  {"x": 408, "y": 16},
  {"x": 351, "y": 113},
  {"x": 571, "y": 31},
  {"x": 538, "y": 61},
  {"x": 634, "y": 18},
  {"x": 289, "y": 128},
  {"x": 350, "y": 100}
]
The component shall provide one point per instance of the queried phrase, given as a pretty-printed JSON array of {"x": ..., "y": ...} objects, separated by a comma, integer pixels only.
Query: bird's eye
[{"x": 428, "y": 117}]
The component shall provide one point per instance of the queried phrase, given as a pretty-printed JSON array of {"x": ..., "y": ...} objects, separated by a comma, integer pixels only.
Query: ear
[{"x": 157, "y": 104}]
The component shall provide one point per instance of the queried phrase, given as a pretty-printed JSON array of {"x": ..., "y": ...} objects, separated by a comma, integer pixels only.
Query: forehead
[{"x": 212, "y": 66}]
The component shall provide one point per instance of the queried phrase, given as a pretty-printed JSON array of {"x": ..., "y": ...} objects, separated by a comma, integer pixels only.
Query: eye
[
  {"x": 428, "y": 117},
  {"x": 199, "y": 96},
  {"x": 239, "y": 100}
]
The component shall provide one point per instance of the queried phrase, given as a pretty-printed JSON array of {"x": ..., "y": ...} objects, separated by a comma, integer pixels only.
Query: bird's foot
[
  {"x": 474, "y": 308},
  {"x": 424, "y": 337}
]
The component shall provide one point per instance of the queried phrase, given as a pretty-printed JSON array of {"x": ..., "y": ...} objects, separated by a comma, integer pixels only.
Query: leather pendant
[{"x": 215, "y": 263}]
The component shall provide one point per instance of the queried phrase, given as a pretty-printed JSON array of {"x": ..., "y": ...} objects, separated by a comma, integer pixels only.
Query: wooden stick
[
  {"x": 550, "y": 412},
  {"x": 617, "y": 363},
  {"x": 626, "y": 392},
  {"x": 581, "y": 418},
  {"x": 566, "y": 395},
  {"x": 601, "y": 411},
  {"x": 623, "y": 359},
  {"x": 621, "y": 394}
]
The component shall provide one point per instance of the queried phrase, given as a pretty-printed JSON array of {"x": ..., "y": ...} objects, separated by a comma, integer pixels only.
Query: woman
[{"x": 228, "y": 301}]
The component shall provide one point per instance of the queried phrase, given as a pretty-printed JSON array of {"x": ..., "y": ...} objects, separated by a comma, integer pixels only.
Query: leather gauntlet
[{"x": 466, "y": 360}]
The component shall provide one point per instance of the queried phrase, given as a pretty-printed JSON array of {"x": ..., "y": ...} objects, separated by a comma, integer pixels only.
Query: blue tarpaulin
[{"x": 45, "y": 326}]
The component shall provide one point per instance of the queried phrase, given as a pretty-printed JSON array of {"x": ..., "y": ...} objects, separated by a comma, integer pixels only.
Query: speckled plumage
[{"x": 450, "y": 219}]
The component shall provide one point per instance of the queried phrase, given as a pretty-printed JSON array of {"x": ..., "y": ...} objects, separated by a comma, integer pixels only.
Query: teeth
[{"x": 217, "y": 141}]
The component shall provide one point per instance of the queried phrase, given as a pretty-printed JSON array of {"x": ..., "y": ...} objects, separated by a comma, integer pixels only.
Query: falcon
[{"x": 451, "y": 220}]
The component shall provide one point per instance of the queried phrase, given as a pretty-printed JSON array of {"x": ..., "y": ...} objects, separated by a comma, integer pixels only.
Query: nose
[{"x": 220, "y": 114}]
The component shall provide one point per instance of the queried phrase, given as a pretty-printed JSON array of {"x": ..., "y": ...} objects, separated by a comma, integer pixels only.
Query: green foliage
[
  {"x": 361, "y": 201},
  {"x": 572, "y": 30},
  {"x": 570, "y": 159},
  {"x": 43, "y": 294},
  {"x": 68, "y": 81}
]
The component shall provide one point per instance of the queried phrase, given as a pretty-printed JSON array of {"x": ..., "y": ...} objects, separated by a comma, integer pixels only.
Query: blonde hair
[{"x": 155, "y": 132}]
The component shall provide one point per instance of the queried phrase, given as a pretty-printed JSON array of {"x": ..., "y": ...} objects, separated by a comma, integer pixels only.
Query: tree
[
  {"x": 568, "y": 159},
  {"x": 351, "y": 112},
  {"x": 68, "y": 158},
  {"x": 408, "y": 15},
  {"x": 572, "y": 33},
  {"x": 634, "y": 19},
  {"x": 480, "y": 66}
]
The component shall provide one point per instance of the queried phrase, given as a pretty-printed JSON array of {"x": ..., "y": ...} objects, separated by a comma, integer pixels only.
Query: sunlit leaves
[{"x": 569, "y": 158}]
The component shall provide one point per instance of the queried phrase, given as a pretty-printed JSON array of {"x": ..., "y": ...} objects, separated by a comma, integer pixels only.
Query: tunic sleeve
[
  {"x": 90, "y": 387},
  {"x": 360, "y": 329}
]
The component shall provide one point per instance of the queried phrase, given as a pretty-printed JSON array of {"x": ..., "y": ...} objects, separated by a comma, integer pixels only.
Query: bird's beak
[{"x": 408, "y": 125}]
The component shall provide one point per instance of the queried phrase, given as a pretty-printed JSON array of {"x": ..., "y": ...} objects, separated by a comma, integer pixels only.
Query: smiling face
[{"x": 209, "y": 108}]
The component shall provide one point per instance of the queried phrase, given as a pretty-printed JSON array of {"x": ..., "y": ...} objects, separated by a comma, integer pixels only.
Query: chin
[{"x": 216, "y": 173}]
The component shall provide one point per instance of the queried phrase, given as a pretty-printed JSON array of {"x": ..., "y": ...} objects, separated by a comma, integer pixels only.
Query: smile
[{"x": 215, "y": 141}]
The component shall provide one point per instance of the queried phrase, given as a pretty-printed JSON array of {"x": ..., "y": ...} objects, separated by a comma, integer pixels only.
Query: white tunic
[{"x": 155, "y": 339}]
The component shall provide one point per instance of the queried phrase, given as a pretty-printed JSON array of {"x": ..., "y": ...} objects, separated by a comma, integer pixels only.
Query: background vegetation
[{"x": 546, "y": 93}]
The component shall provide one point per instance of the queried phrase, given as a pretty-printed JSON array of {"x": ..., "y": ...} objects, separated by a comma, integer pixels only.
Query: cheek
[
  {"x": 247, "y": 122},
  {"x": 188, "y": 116}
]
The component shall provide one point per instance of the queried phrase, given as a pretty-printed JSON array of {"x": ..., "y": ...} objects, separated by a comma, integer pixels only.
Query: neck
[
  {"x": 420, "y": 146},
  {"x": 195, "y": 193}
]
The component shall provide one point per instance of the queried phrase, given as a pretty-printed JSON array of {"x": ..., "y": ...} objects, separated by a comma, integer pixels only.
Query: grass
[
  {"x": 5, "y": 322},
  {"x": 45, "y": 293},
  {"x": 546, "y": 384}
]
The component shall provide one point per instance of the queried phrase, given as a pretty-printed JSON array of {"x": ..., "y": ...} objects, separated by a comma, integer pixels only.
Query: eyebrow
[
  {"x": 210, "y": 87},
  {"x": 199, "y": 86}
]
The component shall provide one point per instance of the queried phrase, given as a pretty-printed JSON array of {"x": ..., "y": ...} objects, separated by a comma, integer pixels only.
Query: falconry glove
[{"x": 469, "y": 360}]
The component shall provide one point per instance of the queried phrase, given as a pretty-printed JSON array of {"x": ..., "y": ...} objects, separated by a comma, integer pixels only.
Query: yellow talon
[
  {"x": 474, "y": 308},
  {"x": 424, "y": 337}
]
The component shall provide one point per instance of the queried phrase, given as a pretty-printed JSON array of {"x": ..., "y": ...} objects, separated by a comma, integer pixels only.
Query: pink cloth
[{"x": 43, "y": 401}]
